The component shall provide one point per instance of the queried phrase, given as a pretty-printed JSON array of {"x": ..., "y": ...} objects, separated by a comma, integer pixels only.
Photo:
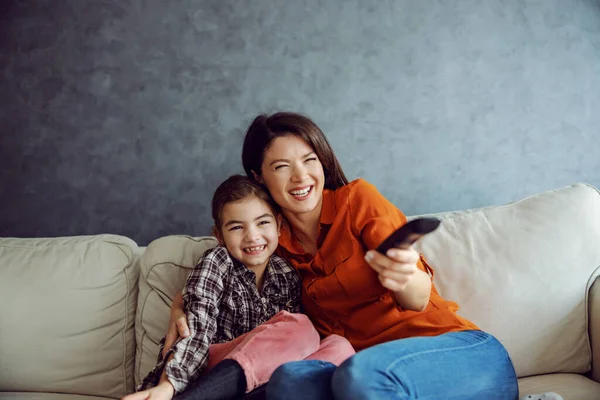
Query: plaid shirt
[{"x": 222, "y": 303}]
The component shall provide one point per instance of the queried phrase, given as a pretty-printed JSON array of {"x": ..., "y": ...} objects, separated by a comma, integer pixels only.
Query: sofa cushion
[
  {"x": 165, "y": 266},
  {"x": 68, "y": 315},
  {"x": 522, "y": 271}
]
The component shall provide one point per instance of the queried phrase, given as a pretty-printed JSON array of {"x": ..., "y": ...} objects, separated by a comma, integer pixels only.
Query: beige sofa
[{"x": 80, "y": 317}]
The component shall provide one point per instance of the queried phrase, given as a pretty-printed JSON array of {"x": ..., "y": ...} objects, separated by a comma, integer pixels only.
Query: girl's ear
[
  {"x": 257, "y": 177},
  {"x": 217, "y": 233}
]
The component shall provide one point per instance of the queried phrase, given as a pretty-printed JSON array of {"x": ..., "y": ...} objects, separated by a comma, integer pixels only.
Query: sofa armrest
[{"x": 594, "y": 327}]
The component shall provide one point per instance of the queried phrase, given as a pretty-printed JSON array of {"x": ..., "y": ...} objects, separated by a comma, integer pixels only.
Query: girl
[{"x": 242, "y": 303}]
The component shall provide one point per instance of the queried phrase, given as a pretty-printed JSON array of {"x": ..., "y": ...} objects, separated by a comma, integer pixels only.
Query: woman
[{"x": 411, "y": 342}]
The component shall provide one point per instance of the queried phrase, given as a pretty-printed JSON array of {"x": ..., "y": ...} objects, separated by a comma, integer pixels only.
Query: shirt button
[{"x": 264, "y": 300}]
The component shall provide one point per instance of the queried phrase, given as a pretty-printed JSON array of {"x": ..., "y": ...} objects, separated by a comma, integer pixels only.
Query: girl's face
[
  {"x": 250, "y": 231},
  {"x": 294, "y": 175}
]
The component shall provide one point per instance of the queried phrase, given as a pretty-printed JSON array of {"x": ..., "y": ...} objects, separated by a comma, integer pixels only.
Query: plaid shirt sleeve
[{"x": 202, "y": 295}]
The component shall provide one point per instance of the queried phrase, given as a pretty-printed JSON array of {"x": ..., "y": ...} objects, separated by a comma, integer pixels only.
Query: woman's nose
[{"x": 299, "y": 173}]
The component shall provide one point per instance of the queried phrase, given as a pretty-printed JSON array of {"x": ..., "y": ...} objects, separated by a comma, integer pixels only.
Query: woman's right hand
[{"x": 178, "y": 325}]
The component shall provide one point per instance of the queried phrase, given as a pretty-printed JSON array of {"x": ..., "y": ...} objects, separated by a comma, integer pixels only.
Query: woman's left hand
[
  {"x": 163, "y": 391},
  {"x": 396, "y": 269}
]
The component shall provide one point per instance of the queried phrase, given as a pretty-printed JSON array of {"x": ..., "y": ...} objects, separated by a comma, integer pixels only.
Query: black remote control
[{"x": 409, "y": 233}]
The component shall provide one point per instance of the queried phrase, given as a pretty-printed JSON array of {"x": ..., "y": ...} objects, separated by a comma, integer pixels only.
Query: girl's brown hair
[
  {"x": 237, "y": 188},
  {"x": 264, "y": 129}
]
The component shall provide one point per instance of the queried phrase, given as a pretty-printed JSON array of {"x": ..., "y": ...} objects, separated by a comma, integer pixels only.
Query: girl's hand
[
  {"x": 163, "y": 391},
  {"x": 178, "y": 325},
  {"x": 396, "y": 269}
]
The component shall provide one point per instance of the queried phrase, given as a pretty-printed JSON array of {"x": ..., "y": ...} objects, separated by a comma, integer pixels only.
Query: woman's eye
[
  {"x": 311, "y": 159},
  {"x": 264, "y": 222},
  {"x": 235, "y": 228},
  {"x": 280, "y": 166}
]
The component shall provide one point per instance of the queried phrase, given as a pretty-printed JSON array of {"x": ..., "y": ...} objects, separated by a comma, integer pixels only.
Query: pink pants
[{"x": 285, "y": 337}]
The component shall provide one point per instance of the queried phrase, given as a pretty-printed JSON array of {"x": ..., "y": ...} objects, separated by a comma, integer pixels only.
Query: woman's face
[{"x": 294, "y": 175}]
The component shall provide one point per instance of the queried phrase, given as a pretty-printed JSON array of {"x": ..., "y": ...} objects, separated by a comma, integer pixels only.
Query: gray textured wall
[{"x": 123, "y": 116}]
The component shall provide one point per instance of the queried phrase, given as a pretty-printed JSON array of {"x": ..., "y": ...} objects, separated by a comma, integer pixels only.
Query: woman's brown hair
[
  {"x": 264, "y": 129},
  {"x": 237, "y": 188}
]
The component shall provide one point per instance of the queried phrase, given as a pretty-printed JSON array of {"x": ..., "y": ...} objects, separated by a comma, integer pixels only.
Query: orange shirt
[{"x": 341, "y": 292}]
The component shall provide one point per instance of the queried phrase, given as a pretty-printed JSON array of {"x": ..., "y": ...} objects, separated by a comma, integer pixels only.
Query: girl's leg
[
  {"x": 285, "y": 337},
  {"x": 257, "y": 394},
  {"x": 240, "y": 365},
  {"x": 334, "y": 349},
  {"x": 225, "y": 381},
  {"x": 457, "y": 365}
]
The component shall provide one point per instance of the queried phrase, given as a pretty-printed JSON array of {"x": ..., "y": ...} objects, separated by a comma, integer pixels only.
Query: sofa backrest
[
  {"x": 67, "y": 315},
  {"x": 522, "y": 272}
]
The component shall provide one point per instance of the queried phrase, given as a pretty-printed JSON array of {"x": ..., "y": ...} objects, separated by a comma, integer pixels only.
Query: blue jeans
[{"x": 457, "y": 365}]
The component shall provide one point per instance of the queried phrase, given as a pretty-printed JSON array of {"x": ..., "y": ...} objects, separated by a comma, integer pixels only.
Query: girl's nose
[{"x": 252, "y": 233}]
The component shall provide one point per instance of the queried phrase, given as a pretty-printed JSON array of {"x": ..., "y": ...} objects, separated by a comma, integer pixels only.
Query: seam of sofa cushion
[
  {"x": 139, "y": 361},
  {"x": 142, "y": 310},
  {"x": 131, "y": 259},
  {"x": 76, "y": 244},
  {"x": 588, "y": 185},
  {"x": 124, "y": 331},
  {"x": 166, "y": 263},
  {"x": 194, "y": 239},
  {"x": 72, "y": 240},
  {"x": 588, "y": 287}
]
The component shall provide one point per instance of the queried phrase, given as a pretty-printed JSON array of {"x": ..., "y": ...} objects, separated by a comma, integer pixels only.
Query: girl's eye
[
  {"x": 264, "y": 222},
  {"x": 280, "y": 166},
  {"x": 235, "y": 228},
  {"x": 311, "y": 159}
]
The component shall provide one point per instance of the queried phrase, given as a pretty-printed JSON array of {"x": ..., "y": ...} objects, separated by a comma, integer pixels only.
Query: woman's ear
[
  {"x": 257, "y": 177},
  {"x": 279, "y": 221}
]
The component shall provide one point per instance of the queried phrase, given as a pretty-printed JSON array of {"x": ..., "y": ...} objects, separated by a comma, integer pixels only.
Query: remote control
[{"x": 409, "y": 233}]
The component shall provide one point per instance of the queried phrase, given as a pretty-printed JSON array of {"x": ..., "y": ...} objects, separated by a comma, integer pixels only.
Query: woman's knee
[
  {"x": 310, "y": 378},
  {"x": 282, "y": 374},
  {"x": 349, "y": 378},
  {"x": 361, "y": 377}
]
